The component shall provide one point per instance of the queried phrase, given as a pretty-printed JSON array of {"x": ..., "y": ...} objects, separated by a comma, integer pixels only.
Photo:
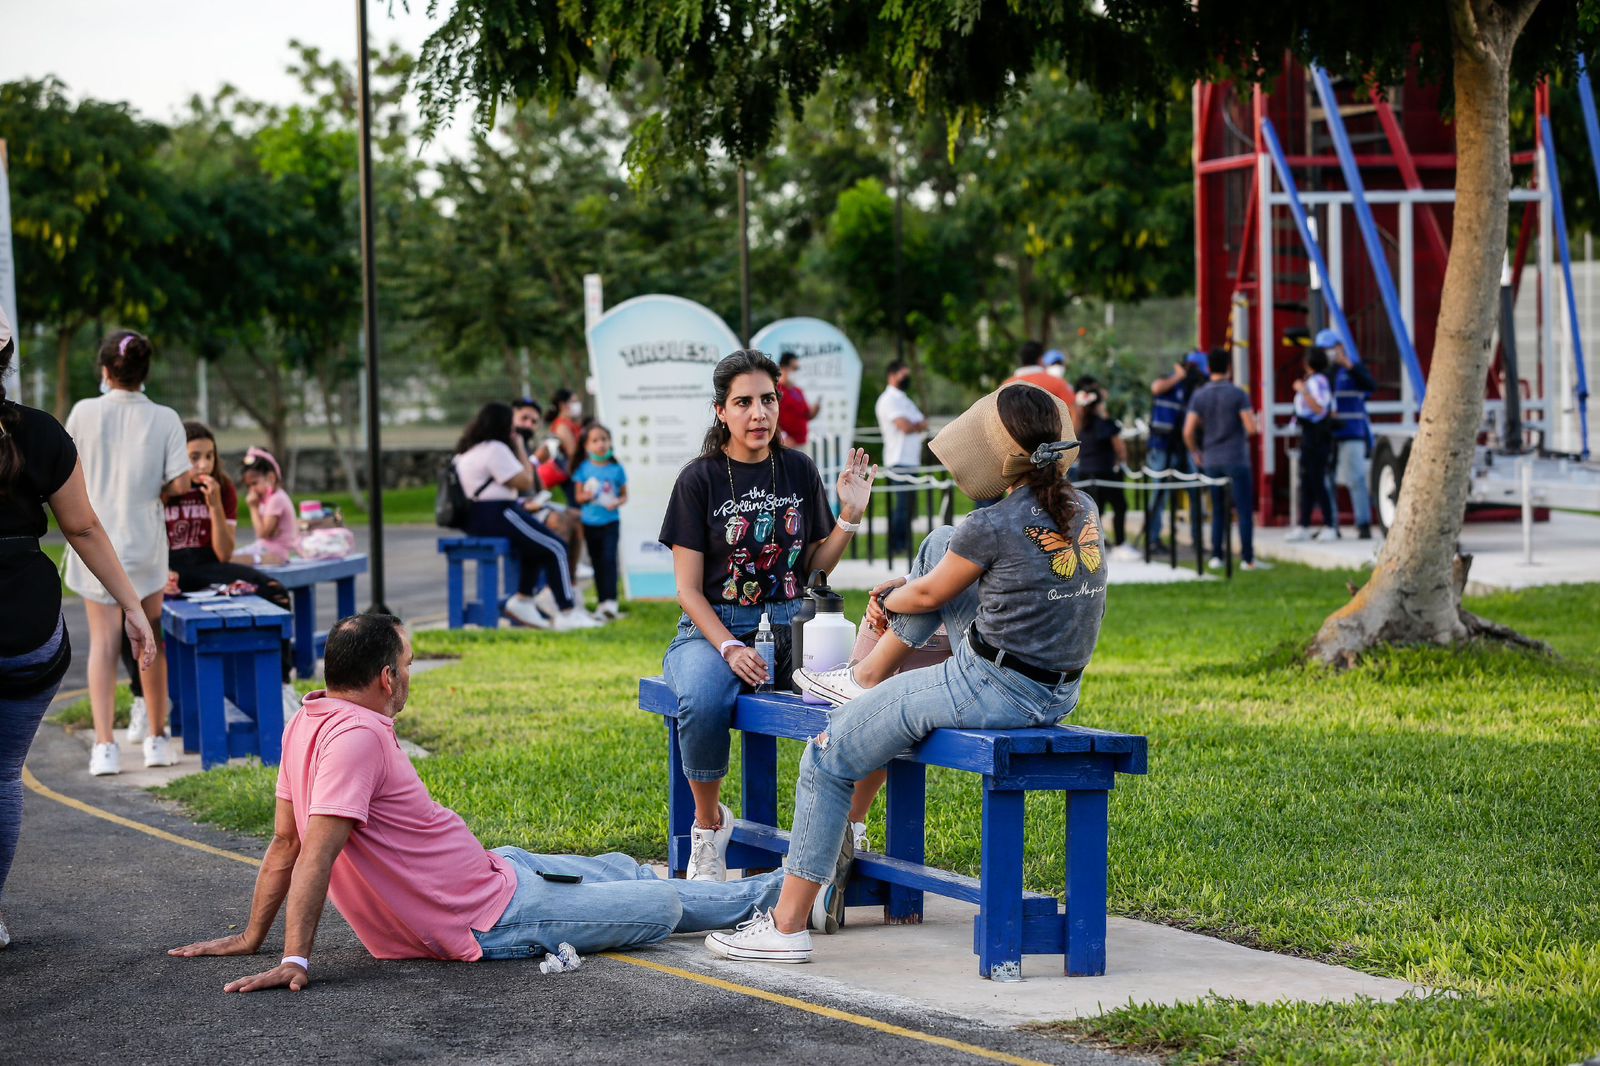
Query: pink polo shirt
[{"x": 413, "y": 882}]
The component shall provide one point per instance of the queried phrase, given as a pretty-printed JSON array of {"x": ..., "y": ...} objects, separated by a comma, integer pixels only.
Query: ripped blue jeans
[{"x": 965, "y": 691}]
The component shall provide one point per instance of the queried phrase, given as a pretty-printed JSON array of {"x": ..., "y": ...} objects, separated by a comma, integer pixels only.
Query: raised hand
[{"x": 855, "y": 485}]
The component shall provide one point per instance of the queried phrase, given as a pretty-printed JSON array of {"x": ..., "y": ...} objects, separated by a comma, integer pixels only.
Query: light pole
[{"x": 369, "y": 307}]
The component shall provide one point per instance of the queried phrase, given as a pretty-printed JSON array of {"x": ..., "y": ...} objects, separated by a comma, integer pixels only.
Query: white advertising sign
[
  {"x": 8, "y": 283},
  {"x": 830, "y": 374},
  {"x": 652, "y": 358}
]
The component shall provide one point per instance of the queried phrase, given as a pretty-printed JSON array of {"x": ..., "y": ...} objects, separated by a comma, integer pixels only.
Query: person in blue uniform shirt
[
  {"x": 1352, "y": 430},
  {"x": 1167, "y": 452}
]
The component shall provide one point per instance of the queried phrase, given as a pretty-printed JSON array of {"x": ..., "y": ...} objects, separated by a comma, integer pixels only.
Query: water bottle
[
  {"x": 797, "y": 630},
  {"x": 767, "y": 648},
  {"x": 570, "y": 959},
  {"x": 830, "y": 636}
]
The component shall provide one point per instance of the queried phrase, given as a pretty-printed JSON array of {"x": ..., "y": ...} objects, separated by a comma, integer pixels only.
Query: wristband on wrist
[
  {"x": 731, "y": 642},
  {"x": 849, "y": 527},
  {"x": 299, "y": 960}
]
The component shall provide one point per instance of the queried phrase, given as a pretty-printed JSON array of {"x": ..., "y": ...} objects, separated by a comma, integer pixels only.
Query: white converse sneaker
[
  {"x": 1298, "y": 534},
  {"x": 105, "y": 759},
  {"x": 858, "y": 836},
  {"x": 138, "y": 721},
  {"x": 837, "y": 687},
  {"x": 576, "y": 618},
  {"x": 522, "y": 610},
  {"x": 545, "y": 601},
  {"x": 708, "y": 849},
  {"x": 158, "y": 752},
  {"x": 608, "y": 610},
  {"x": 827, "y": 910},
  {"x": 758, "y": 940}
]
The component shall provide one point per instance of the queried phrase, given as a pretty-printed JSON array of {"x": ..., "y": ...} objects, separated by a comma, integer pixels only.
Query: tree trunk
[
  {"x": 1411, "y": 596},
  {"x": 63, "y": 386}
]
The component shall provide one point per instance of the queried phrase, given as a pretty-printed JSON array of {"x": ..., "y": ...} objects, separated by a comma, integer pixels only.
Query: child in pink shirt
[{"x": 271, "y": 512}]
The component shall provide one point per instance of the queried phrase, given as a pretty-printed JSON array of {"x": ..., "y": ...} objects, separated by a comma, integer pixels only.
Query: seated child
[{"x": 271, "y": 512}]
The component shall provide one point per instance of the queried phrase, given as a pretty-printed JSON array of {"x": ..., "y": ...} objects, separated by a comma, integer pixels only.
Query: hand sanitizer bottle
[{"x": 767, "y": 648}]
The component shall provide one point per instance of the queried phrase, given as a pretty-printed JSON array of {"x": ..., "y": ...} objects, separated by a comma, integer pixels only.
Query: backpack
[{"x": 452, "y": 507}]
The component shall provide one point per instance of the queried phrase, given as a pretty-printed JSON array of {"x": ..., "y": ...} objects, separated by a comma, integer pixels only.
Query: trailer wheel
[{"x": 1388, "y": 469}]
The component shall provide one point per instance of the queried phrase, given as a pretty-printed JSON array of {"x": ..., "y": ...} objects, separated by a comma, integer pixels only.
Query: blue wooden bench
[
  {"x": 229, "y": 648},
  {"x": 1011, "y": 922},
  {"x": 487, "y": 553},
  {"x": 301, "y": 578}
]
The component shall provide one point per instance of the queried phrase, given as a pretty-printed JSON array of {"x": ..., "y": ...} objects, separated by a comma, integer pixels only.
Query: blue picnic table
[
  {"x": 1011, "y": 922},
  {"x": 226, "y": 648},
  {"x": 301, "y": 578}
]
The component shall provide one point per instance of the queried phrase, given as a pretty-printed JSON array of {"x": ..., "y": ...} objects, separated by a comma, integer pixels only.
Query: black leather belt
[{"x": 1021, "y": 666}]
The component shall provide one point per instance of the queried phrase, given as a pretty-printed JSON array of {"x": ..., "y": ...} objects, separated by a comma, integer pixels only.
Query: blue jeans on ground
[
  {"x": 900, "y": 507},
  {"x": 603, "y": 542},
  {"x": 538, "y": 549},
  {"x": 1244, "y": 505},
  {"x": 1160, "y": 457},
  {"x": 619, "y": 904},
  {"x": 706, "y": 688},
  {"x": 19, "y": 721},
  {"x": 963, "y": 692},
  {"x": 1350, "y": 470}
]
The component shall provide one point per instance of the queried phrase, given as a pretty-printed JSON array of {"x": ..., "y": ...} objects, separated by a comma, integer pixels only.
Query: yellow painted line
[
  {"x": 36, "y": 786},
  {"x": 826, "y": 1012}
]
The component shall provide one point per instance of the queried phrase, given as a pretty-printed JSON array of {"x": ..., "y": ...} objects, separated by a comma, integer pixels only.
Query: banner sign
[
  {"x": 651, "y": 358},
  {"x": 830, "y": 375}
]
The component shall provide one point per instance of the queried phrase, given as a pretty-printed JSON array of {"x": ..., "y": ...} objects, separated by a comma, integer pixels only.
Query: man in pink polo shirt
[{"x": 355, "y": 823}]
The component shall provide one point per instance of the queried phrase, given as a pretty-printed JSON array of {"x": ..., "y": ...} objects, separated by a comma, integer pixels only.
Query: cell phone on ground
[{"x": 562, "y": 879}]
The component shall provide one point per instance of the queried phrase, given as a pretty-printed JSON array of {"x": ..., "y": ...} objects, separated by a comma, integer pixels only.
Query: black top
[
  {"x": 29, "y": 585},
  {"x": 754, "y": 532},
  {"x": 1096, "y": 455}
]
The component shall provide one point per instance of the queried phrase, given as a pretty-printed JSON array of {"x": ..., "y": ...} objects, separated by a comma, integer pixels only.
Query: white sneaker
[
  {"x": 708, "y": 849},
  {"x": 827, "y": 910},
  {"x": 1298, "y": 534},
  {"x": 758, "y": 940},
  {"x": 1257, "y": 565},
  {"x": 1326, "y": 533},
  {"x": 138, "y": 721},
  {"x": 522, "y": 610},
  {"x": 105, "y": 759},
  {"x": 608, "y": 610},
  {"x": 545, "y": 601},
  {"x": 577, "y": 618},
  {"x": 837, "y": 687},
  {"x": 5, "y": 934},
  {"x": 585, "y": 572},
  {"x": 158, "y": 752},
  {"x": 1215, "y": 562},
  {"x": 858, "y": 836}
]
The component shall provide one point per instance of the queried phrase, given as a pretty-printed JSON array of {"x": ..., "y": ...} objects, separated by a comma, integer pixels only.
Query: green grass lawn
[{"x": 1430, "y": 816}]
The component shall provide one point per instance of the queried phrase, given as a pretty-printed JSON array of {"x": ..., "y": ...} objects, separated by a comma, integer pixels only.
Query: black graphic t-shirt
[{"x": 753, "y": 533}]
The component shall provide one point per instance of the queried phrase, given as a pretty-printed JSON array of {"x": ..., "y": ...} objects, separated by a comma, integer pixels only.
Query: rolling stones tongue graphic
[
  {"x": 764, "y": 527},
  {"x": 740, "y": 561},
  {"x": 769, "y": 556},
  {"x": 791, "y": 586},
  {"x": 737, "y": 527},
  {"x": 794, "y": 553},
  {"x": 791, "y": 521},
  {"x": 730, "y": 590}
]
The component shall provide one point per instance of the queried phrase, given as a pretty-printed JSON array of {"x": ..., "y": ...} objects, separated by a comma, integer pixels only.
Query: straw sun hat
[{"x": 981, "y": 455}]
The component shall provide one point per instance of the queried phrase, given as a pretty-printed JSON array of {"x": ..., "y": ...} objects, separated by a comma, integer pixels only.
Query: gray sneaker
[
  {"x": 5, "y": 934},
  {"x": 827, "y": 913}
]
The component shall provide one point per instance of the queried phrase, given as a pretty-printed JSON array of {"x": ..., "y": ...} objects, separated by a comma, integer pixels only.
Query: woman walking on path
[
  {"x": 39, "y": 467},
  {"x": 1021, "y": 589},
  {"x": 747, "y": 521},
  {"x": 133, "y": 453}
]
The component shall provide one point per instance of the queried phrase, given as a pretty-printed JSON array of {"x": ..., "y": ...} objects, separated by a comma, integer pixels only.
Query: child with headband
[{"x": 271, "y": 511}]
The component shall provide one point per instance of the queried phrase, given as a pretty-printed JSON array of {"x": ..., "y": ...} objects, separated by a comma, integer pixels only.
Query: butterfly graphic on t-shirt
[{"x": 1064, "y": 553}]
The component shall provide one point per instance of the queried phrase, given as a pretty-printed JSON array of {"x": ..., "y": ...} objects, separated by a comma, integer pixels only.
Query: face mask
[
  {"x": 1057, "y": 371},
  {"x": 905, "y": 384},
  {"x": 602, "y": 457},
  {"x": 105, "y": 386},
  {"x": 575, "y": 409}
]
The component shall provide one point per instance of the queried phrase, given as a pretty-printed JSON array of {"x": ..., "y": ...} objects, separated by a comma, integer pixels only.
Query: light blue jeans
[
  {"x": 1350, "y": 470},
  {"x": 619, "y": 904},
  {"x": 706, "y": 688},
  {"x": 963, "y": 692},
  {"x": 19, "y": 722}
]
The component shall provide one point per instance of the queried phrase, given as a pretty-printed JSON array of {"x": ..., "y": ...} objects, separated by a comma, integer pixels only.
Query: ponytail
[{"x": 1032, "y": 418}]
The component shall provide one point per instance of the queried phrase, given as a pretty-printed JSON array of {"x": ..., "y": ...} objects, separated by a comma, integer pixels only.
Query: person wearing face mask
[
  {"x": 904, "y": 427},
  {"x": 795, "y": 412},
  {"x": 566, "y": 426},
  {"x": 1033, "y": 370},
  {"x": 134, "y": 452},
  {"x": 1055, "y": 363}
]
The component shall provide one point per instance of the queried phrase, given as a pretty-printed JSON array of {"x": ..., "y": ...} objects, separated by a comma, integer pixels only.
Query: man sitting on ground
[{"x": 355, "y": 822}]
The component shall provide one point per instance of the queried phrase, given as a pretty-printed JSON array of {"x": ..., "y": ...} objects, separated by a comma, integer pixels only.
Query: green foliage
[{"x": 1424, "y": 816}]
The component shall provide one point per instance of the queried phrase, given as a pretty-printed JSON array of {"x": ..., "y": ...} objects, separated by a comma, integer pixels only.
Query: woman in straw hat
[{"x": 1019, "y": 586}]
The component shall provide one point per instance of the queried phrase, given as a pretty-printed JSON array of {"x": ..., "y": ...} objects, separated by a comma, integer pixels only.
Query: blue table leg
[
  {"x": 456, "y": 580},
  {"x": 999, "y": 923},
  {"x": 760, "y": 779},
  {"x": 345, "y": 593},
  {"x": 213, "y": 719},
  {"x": 1087, "y": 829},
  {"x": 268, "y": 691},
  {"x": 907, "y": 816},
  {"x": 305, "y": 631},
  {"x": 680, "y": 802},
  {"x": 488, "y": 605},
  {"x": 513, "y": 572}
]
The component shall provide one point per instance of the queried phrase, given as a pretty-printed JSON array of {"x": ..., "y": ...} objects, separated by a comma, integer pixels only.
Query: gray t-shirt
[
  {"x": 1223, "y": 441},
  {"x": 1042, "y": 595}
]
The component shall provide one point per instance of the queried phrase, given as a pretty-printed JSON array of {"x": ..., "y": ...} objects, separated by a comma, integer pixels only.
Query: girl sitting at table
[{"x": 271, "y": 512}]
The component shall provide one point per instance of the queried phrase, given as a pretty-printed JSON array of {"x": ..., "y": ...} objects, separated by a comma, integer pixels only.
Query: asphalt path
[
  {"x": 93, "y": 906},
  {"x": 413, "y": 585}
]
